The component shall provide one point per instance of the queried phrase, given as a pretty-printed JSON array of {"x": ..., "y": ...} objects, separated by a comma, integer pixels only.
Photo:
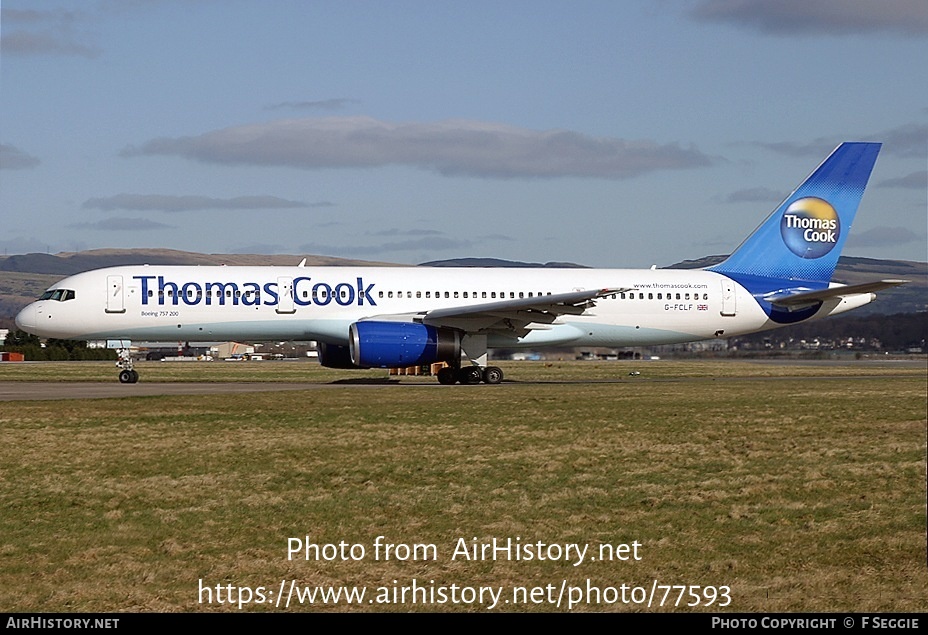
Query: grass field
[{"x": 801, "y": 487}]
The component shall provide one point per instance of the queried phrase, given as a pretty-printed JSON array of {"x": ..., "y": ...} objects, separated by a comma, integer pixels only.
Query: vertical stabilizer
[{"x": 802, "y": 239}]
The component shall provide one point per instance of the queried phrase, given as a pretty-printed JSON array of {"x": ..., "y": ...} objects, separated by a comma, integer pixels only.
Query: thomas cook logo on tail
[{"x": 810, "y": 227}]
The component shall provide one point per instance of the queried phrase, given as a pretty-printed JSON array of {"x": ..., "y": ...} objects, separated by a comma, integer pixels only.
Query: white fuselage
[{"x": 173, "y": 303}]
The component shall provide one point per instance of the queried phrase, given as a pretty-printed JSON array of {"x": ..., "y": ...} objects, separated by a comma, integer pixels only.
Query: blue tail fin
[{"x": 803, "y": 237}]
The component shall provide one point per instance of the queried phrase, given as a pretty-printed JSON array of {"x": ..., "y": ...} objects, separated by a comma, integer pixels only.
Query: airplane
[{"x": 393, "y": 317}]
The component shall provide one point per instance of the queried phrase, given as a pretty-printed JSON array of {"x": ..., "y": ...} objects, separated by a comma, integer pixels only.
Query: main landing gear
[
  {"x": 472, "y": 367},
  {"x": 470, "y": 375},
  {"x": 127, "y": 374}
]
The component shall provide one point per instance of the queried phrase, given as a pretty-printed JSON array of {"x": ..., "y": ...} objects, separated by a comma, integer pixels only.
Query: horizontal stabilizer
[{"x": 793, "y": 298}]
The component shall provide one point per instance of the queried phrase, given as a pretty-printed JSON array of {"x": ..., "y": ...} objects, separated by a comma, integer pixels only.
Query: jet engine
[{"x": 400, "y": 344}]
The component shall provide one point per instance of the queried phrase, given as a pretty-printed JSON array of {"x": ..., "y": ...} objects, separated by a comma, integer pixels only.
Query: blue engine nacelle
[
  {"x": 334, "y": 356},
  {"x": 400, "y": 344}
]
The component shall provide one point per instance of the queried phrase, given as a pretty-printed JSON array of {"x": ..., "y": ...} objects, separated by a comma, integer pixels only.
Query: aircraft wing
[
  {"x": 792, "y": 298},
  {"x": 511, "y": 318}
]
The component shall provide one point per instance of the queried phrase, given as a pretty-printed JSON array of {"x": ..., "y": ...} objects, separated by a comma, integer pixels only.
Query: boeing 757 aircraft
[{"x": 385, "y": 317}]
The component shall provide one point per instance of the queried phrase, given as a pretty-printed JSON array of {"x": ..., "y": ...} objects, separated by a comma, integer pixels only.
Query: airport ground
[{"x": 798, "y": 486}]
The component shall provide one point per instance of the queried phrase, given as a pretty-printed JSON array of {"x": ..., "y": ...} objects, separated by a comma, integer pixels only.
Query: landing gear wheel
[
  {"x": 470, "y": 375},
  {"x": 446, "y": 376},
  {"x": 124, "y": 363},
  {"x": 492, "y": 375}
]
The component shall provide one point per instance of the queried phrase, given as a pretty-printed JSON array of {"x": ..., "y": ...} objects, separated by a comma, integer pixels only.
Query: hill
[
  {"x": 67, "y": 263},
  {"x": 496, "y": 262}
]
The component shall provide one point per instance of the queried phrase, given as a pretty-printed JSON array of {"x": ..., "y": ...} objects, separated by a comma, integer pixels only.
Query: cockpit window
[{"x": 59, "y": 295}]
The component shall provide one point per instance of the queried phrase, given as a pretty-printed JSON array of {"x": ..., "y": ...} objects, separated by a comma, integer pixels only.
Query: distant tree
[
  {"x": 21, "y": 338},
  {"x": 54, "y": 350}
]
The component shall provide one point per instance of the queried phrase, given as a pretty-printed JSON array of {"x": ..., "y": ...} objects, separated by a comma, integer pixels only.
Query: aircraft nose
[{"x": 25, "y": 319}]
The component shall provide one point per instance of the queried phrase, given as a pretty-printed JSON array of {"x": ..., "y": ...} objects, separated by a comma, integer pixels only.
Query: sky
[{"x": 609, "y": 134}]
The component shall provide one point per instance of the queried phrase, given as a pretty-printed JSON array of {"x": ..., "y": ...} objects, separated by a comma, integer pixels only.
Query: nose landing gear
[{"x": 127, "y": 374}]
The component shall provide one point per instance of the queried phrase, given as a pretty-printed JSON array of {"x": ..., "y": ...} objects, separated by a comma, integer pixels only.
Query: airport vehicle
[{"x": 386, "y": 317}]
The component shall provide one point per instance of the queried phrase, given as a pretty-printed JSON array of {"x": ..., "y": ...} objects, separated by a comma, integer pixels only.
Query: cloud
[
  {"x": 909, "y": 140},
  {"x": 12, "y": 158},
  {"x": 168, "y": 203},
  {"x": 22, "y": 245},
  {"x": 816, "y": 17},
  {"x": 451, "y": 148},
  {"x": 258, "y": 248},
  {"x": 916, "y": 180},
  {"x": 430, "y": 243},
  {"x": 122, "y": 224},
  {"x": 406, "y": 232},
  {"x": 502, "y": 237},
  {"x": 883, "y": 237},
  {"x": 817, "y": 147},
  {"x": 44, "y": 33},
  {"x": 754, "y": 195},
  {"x": 323, "y": 104}
]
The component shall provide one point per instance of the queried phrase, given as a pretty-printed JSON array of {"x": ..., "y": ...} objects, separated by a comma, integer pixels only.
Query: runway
[{"x": 50, "y": 390}]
